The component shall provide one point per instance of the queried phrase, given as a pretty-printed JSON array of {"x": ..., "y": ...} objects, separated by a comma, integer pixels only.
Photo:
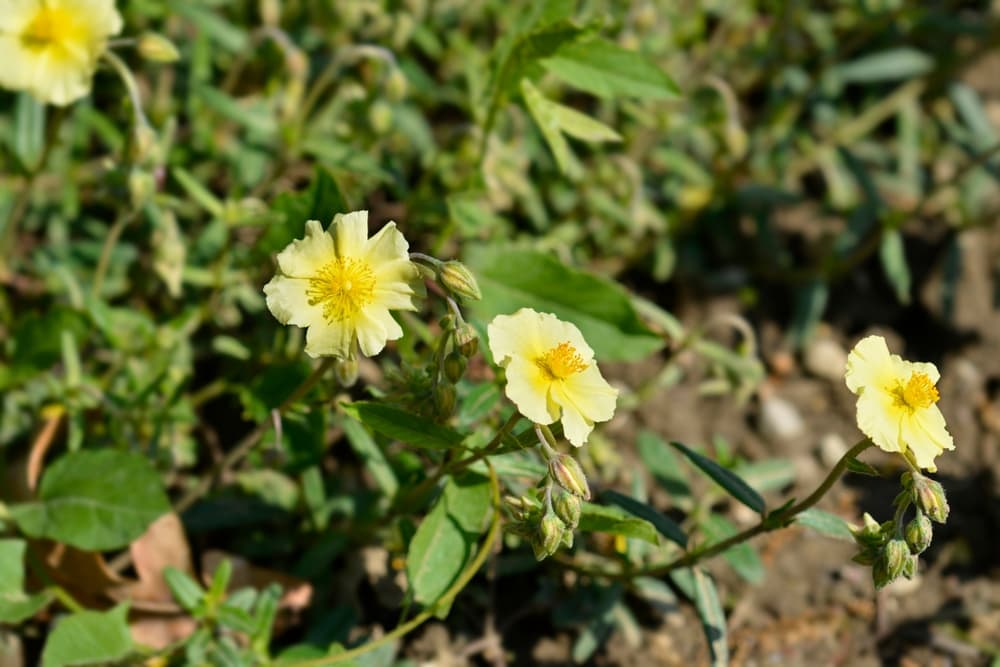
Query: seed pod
[
  {"x": 919, "y": 533},
  {"x": 569, "y": 475},
  {"x": 459, "y": 280},
  {"x": 454, "y": 366}
]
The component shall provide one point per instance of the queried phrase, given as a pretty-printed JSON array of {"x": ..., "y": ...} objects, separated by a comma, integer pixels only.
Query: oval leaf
[
  {"x": 89, "y": 637},
  {"x": 95, "y": 500},
  {"x": 614, "y": 520},
  {"x": 401, "y": 425},
  {"x": 727, "y": 479},
  {"x": 15, "y": 604},
  {"x": 825, "y": 523}
]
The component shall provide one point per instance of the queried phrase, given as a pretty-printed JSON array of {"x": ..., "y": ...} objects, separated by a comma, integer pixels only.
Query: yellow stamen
[
  {"x": 561, "y": 362},
  {"x": 919, "y": 392},
  {"x": 344, "y": 286},
  {"x": 50, "y": 27}
]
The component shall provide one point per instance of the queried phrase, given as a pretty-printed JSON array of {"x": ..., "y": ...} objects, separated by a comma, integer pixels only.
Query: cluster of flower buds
[
  {"x": 548, "y": 522},
  {"x": 891, "y": 548}
]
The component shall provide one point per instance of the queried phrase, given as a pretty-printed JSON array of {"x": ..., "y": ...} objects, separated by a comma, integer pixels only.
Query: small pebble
[
  {"x": 831, "y": 448},
  {"x": 780, "y": 420},
  {"x": 825, "y": 358}
]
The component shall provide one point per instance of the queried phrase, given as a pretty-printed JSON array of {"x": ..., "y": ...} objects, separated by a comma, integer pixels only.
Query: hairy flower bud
[
  {"x": 550, "y": 532},
  {"x": 928, "y": 496},
  {"x": 157, "y": 48},
  {"x": 919, "y": 533},
  {"x": 567, "y": 507},
  {"x": 346, "y": 372},
  {"x": 910, "y": 567},
  {"x": 895, "y": 555},
  {"x": 459, "y": 280},
  {"x": 454, "y": 366},
  {"x": 869, "y": 535},
  {"x": 466, "y": 340},
  {"x": 569, "y": 475}
]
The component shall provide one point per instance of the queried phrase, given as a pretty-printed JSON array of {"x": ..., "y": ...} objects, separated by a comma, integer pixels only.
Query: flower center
[
  {"x": 51, "y": 26},
  {"x": 561, "y": 361},
  {"x": 344, "y": 286},
  {"x": 919, "y": 392}
]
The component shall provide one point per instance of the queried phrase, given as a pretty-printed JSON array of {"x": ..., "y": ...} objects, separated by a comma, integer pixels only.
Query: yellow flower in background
[
  {"x": 551, "y": 373},
  {"x": 896, "y": 402},
  {"x": 341, "y": 285},
  {"x": 50, "y": 47}
]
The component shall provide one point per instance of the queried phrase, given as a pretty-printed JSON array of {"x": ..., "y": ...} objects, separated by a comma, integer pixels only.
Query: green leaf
[
  {"x": 581, "y": 126},
  {"x": 198, "y": 192},
  {"x": 861, "y": 468},
  {"x": 698, "y": 587},
  {"x": 15, "y": 604},
  {"x": 94, "y": 500},
  {"x": 372, "y": 456},
  {"x": 226, "y": 34},
  {"x": 661, "y": 461},
  {"x": 321, "y": 201},
  {"x": 541, "y": 110},
  {"x": 29, "y": 130},
  {"x": 810, "y": 303},
  {"x": 742, "y": 557},
  {"x": 511, "y": 279},
  {"x": 607, "y": 70},
  {"x": 893, "y": 257},
  {"x": 667, "y": 526},
  {"x": 614, "y": 520},
  {"x": 891, "y": 65},
  {"x": 400, "y": 425},
  {"x": 825, "y": 523},
  {"x": 89, "y": 637},
  {"x": 727, "y": 479},
  {"x": 185, "y": 590},
  {"x": 769, "y": 475},
  {"x": 447, "y": 537}
]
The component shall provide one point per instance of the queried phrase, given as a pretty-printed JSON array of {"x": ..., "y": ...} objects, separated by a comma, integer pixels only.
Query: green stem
[
  {"x": 446, "y": 597},
  {"x": 58, "y": 591},
  {"x": 107, "y": 248},
  {"x": 770, "y": 522}
]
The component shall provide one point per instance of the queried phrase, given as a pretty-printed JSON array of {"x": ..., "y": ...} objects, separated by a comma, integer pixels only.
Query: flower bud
[
  {"x": 550, "y": 532},
  {"x": 928, "y": 496},
  {"x": 444, "y": 400},
  {"x": 144, "y": 143},
  {"x": 454, "y": 366},
  {"x": 141, "y": 186},
  {"x": 157, "y": 48},
  {"x": 396, "y": 85},
  {"x": 380, "y": 117},
  {"x": 919, "y": 533},
  {"x": 567, "y": 507},
  {"x": 910, "y": 567},
  {"x": 895, "y": 555},
  {"x": 867, "y": 556},
  {"x": 569, "y": 475},
  {"x": 870, "y": 534},
  {"x": 346, "y": 372},
  {"x": 457, "y": 278},
  {"x": 466, "y": 340},
  {"x": 880, "y": 575}
]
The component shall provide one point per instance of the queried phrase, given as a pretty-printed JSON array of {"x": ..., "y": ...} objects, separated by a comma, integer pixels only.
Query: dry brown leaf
[
  {"x": 158, "y": 631},
  {"x": 40, "y": 446},
  {"x": 84, "y": 574}
]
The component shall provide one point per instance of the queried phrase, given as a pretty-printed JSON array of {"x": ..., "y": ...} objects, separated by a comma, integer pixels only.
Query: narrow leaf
[
  {"x": 891, "y": 65},
  {"x": 582, "y": 126},
  {"x": 663, "y": 463},
  {"x": 372, "y": 456},
  {"x": 400, "y": 425},
  {"x": 825, "y": 523},
  {"x": 614, "y": 520},
  {"x": 893, "y": 257},
  {"x": 541, "y": 110},
  {"x": 607, "y": 70},
  {"x": 667, "y": 526},
  {"x": 742, "y": 557},
  {"x": 860, "y": 467},
  {"x": 727, "y": 479}
]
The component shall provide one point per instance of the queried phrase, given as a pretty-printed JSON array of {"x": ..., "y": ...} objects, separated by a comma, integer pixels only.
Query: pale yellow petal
[
  {"x": 288, "y": 302},
  {"x": 15, "y": 15},
  {"x": 376, "y": 326},
  {"x": 100, "y": 17},
  {"x": 879, "y": 419},
  {"x": 869, "y": 364},
  {"x": 351, "y": 231},
  {"x": 553, "y": 331},
  {"x": 528, "y": 389},
  {"x": 302, "y": 258},
  {"x": 515, "y": 335},
  {"x": 591, "y": 394},
  {"x": 576, "y": 426},
  {"x": 396, "y": 296},
  {"x": 329, "y": 340},
  {"x": 395, "y": 271},
  {"x": 18, "y": 75},
  {"x": 59, "y": 81},
  {"x": 904, "y": 369},
  {"x": 926, "y": 435},
  {"x": 388, "y": 245}
]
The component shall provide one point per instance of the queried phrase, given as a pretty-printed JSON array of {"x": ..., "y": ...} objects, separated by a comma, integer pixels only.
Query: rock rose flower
[
  {"x": 50, "y": 47},
  {"x": 896, "y": 402},
  {"x": 341, "y": 285},
  {"x": 551, "y": 373}
]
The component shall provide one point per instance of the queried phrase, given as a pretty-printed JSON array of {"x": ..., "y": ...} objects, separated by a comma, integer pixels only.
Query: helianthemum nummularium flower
[
  {"x": 50, "y": 47},
  {"x": 341, "y": 285},
  {"x": 896, "y": 402},
  {"x": 551, "y": 373}
]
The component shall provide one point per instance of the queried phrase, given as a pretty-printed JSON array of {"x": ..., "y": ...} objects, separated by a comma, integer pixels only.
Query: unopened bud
[
  {"x": 910, "y": 567},
  {"x": 895, "y": 555},
  {"x": 141, "y": 186},
  {"x": 928, "y": 496},
  {"x": 919, "y": 533},
  {"x": 396, "y": 85},
  {"x": 567, "y": 507},
  {"x": 346, "y": 372},
  {"x": 144, "y": 143},
  {"x": 569, "y": 475},
  {"x": 157, "y": 48},
  {"x": 870, "y": 534},
  {"x": 457, "y": 278},
  {"x": 550, "y": 532},
  {"x": 444, "y": 400},
  {"x": 454, "y": 366},
  {"x": 380, "y": 117},
  {"x": 466, "y": 340}
]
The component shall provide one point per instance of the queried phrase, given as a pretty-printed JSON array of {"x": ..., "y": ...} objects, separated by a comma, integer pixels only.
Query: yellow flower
[
  {"x": 341, "y": 285},
  {"x": 551, "y": 372},
  {"x": 896, "y": 402},
  {"x": 50, "y": 47}
]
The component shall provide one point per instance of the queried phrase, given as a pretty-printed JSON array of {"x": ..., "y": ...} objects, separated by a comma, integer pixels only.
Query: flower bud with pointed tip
[
  {"x": 156, "y": 48},
  {"x": 919, "y": 533},
  {"x": 910, "y": 567},
  {"x": 459, "y": 280},
  {"x": 466, "y": 340},
  {"x": 569, "y": 475},
  {"x": 567, "y": 508},
  {"x": 550, "y": 532},
  {"x": 928, "y": 496},
  {"x": 346, "y": 372},
  {"x": 895, "y": 555},
  {"x": 870, "y": 534}
]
